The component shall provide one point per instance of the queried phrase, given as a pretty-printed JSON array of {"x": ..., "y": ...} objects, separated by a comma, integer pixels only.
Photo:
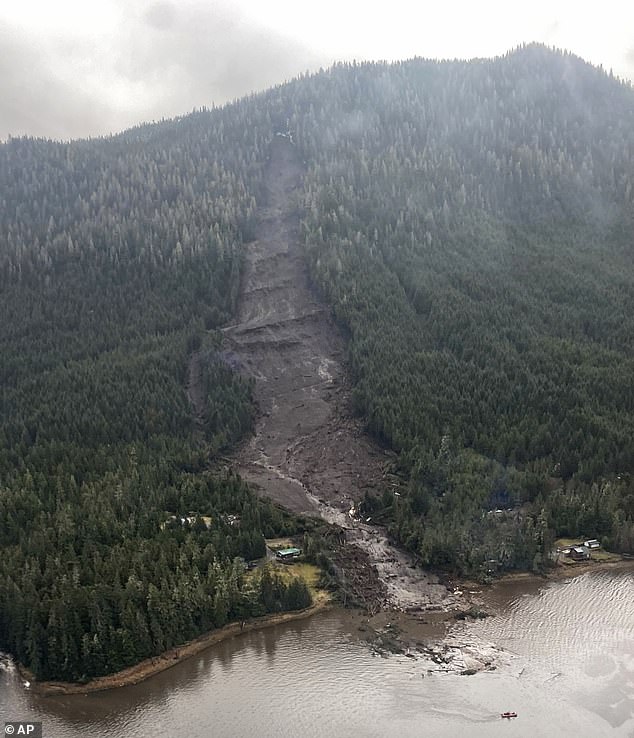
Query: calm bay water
[{"x": 567, "y": 669}]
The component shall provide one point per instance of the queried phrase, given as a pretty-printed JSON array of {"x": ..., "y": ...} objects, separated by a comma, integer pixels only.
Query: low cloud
[
  {"x": 163, "y": 59},
  {"x": 629, "y": 63},
  {"x": 34, "y": 100},
  {"x": 77, "y": 69},
  {"x": 207, "y": 54}
]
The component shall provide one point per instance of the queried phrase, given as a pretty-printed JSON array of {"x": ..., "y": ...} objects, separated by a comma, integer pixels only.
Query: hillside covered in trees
[
  {"x": 119, "y": 258},
  {"x": 470, "y": 223}
]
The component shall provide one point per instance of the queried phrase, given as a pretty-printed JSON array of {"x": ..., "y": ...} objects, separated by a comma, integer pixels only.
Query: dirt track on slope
[
  {"x": 306, "y": 444},
  {"x": 308, "y": 453}
]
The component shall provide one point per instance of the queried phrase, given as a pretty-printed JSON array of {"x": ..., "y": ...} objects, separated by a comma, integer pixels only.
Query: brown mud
[
  {"x": 309, "y": 453},
  {"x": 306, "y": 440}
]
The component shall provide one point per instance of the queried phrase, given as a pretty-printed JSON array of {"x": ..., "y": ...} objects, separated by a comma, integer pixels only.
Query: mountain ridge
[{"x": 469, "y": 226}]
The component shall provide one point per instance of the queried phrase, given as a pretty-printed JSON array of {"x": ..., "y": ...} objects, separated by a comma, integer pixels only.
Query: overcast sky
[{"x": 71, "y": 68}]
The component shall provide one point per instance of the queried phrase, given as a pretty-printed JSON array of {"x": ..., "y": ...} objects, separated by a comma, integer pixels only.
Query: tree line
[{"x": 470, "y": 225}]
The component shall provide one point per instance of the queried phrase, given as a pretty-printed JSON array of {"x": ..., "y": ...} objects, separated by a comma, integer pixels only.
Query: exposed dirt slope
[
  {"x": 305, "y": 439},
  {"x": 308, "y": 453}
]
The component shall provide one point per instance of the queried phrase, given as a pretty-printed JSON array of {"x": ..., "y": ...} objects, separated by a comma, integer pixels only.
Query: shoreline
[
  {"x": 436, "y": 621},
  {"x": 492, "y": 597},
  {"x": 433, "y": 630},
  {"x": 156, "y": 664},
  {"x": 566, "y": 571}
]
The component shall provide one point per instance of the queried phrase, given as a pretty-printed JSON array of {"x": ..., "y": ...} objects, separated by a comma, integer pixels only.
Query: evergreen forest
[
  {"x": 470, "y": 225},
  {"x": 119, "y": 259}
]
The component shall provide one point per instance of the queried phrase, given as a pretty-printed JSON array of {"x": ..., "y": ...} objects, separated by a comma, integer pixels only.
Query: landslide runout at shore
[{"x": 308, "y": 453}]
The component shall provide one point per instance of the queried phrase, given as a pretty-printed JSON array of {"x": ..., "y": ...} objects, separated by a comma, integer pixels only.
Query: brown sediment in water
[
  {"x": 568, "y": 570},
  {"x": 564, "y": 571},
  {"x": 494, "y": 597},
  {"x": 309, "y": 453},
  {"x": 439, "y": 635},
  {"x": 149, "y": 667},
  {"x": 483, "y": 600},
  {"x": 409, "y": 628}
]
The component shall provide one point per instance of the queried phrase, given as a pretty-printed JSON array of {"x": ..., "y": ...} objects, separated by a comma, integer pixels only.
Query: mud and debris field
[{"x": 309, "y": 453}]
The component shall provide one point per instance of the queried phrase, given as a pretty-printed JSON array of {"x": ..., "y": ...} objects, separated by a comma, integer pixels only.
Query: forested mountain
[
  {"x": 118, "y": 259},
  {"x": 471, "y": 225}
]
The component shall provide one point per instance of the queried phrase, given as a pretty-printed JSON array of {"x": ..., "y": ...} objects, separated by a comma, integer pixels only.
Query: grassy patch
[
  {"x": 601, "y": 555},
  {"x": 308, "y": 572},
  {"x": 596, "y": 554},
  {"x": 567, "y": 542},
  {"x": 278, "y": 543}
]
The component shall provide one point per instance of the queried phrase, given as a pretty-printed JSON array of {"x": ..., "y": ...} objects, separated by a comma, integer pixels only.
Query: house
[
  {"x": 288, "y": 554},
  {"x": 579, "y": 553},
  {"x": 190, "y": 519},
  {"x": 592, "y": 543}
]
